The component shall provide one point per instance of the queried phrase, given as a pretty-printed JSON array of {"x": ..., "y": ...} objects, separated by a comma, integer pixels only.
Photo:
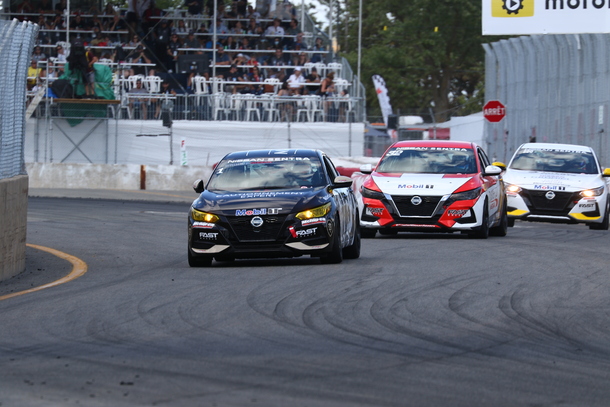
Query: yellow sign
[{"x": 512, "y": 8}]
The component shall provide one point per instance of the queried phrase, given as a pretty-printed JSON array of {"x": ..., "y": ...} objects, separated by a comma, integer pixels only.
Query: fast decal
[
  {"x": 313, "y": 221},
  {"x": 550, "y": 187},
  {"x": 586, "y": 205},
  {"x": 375, "y": 211},
  {"x": 208, "y": 235},
  {"x": 203, "y": 225},
  {"x": 302, "y": 232},
  {"x": 457, "y": 213}
]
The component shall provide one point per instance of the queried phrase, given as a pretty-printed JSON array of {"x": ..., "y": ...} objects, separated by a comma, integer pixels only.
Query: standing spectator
[
  {"x": 90, "y": 82},
  {"x": 61, "y": 6},
  {"x": 149, "y": 20},
  {"x": 181, "y": 30},
  {"x": 33, "y": 74},
  {"x": 327, "y": 90},
  {"x": 116, "y": 24},
  {"x": 167, "y": 90},
  {"x": 195, "y": 7},
  {"x": 172, "y": 52},
  {"x": 59, "y": 26}
]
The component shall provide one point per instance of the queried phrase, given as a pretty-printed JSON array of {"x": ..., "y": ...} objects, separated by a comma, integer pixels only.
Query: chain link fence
[
  {"x": 556, "y": 88},
  {"x": 16, "y": 43}
]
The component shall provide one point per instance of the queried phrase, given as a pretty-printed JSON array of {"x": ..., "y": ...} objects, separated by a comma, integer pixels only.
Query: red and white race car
[{"x": 432, "y": 186}]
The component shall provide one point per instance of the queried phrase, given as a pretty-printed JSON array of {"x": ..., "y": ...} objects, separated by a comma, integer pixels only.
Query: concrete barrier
[
  {"x": 13, "y": 225},
  {"x": 115, "y": 176}
]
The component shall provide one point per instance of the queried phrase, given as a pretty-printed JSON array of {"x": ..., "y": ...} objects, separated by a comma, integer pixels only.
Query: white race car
[
  {"x": 557, "y": 183},
  {"x": 432, "y": 186}
]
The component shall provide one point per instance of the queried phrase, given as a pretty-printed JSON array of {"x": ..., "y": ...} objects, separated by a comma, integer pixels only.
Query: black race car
[{"x": 273, "y": 203}]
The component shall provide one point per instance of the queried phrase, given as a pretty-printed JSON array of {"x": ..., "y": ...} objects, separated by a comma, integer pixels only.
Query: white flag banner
[{"x": 384, "y": 99}]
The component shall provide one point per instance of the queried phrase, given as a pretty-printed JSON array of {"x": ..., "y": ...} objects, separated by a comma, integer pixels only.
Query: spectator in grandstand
[
  {"x": 61, "y": 6},
  {"x": 327, "y": 90},
  {"x": 38, "y": 55},
  {"x": 286, "y": 107},
  {"x": 109, "y": 10},
  {"x": 233, "y": 76},
  {"x": 238, "y": 28},
  {"x": 275, "y": 29},
  {"x": 318, "y": 46},
  {"x": 300, "y": 59},
  {"x": 296, "y": 82},
  {"x": 253, "y": 27},
  {"x": 33, "y": 74},
  {"x": 220, "y": 29},
  {"x": 140, "y": 55},
  {"x": 62, "y": 55},
  {"x": 44, "y": 6},
  {"x": 231, "y": 44},
  {"x": 115, "y": 25},
  {"x": 244, "y": 44},
  {"x": 78, "y": 23},
  {"x": 164, "y": 32},
  {"x": 255, "y": 75},
  {"x": 279, "y": 58},
  {"x": 149, "y": 19},
  {"x": 95, "y": 22},
  {"x": 139, "y": 101},
  {"x": 299, "y": 42},
  {"x": 252, "y": 13},
  {"x": 191, "y": 42},
  {"x": 134, "y": 41},
  {"x": 92, "y": 58},
  {"x": 313, "y": 77},
  {"x": 240, "y": 60},
  {"x": 172, "y": 52},
  {"x": 166, "y": 89},
  {"x": 181, "y": 29}
]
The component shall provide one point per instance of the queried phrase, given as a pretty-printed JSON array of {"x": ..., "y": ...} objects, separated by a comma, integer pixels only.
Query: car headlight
[
  {"x": 588, "y": 193},
  {"x": 201, "y": 216},
  {"x": 370, "y": 193},
  {"x": 512, "y": 188},
  {"x": 466, "y": 195},
  {"x": 318, "y": 212}
]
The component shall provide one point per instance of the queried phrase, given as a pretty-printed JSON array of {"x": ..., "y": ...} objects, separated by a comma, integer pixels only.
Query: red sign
[{"x": 494, "y": 111}]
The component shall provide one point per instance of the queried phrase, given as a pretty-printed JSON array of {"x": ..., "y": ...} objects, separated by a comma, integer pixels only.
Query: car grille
[
  {"x": 406, "y": 208},
  {"x": 540, "y": 205},
  {"x": 245, "y": 232}
]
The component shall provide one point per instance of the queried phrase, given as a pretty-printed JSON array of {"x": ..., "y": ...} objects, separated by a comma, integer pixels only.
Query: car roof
[
  {"x": 435, "y": 143},
  {"x": 556, "y": 146},
  {"x": 301, "y": 152}
]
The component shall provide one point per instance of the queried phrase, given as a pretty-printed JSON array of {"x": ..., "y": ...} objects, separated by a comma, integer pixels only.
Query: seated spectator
[
  {"x": 240, "y": 60},
  {"x": 252, "y": 13},
  {"x": 233, "y": 76},
  {"x": 296, "y": 82},
  {"x": 318, "y": 46},
  {"x": 33, "y": 74},
  {"x": 299, "y": 42},
  {"x": 301, "y": 59},
  {"x": 95, "y": 22},
  {"x": 181, "y": 30},
  {"x": 62, "y": 55},
  {"x": 166, "y": 89},
  {"x": 255, "y": 76},
  {"x": 38, "y": 55},
  {"x": 244, "y": 43},
  {"x": 231, "y": 44},
  {"x": 238, "y": 28},
  {"x": 191, "y": 42},
  {"x": 139, "y": 102},
  {"x": 313, "y": 77},
  {"x": 275, "y": 29}
]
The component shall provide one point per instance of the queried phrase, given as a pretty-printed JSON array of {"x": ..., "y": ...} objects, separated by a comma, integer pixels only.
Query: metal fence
[
  {"x": 556, "y": 88},
  {"x": 16, "y": 43}
]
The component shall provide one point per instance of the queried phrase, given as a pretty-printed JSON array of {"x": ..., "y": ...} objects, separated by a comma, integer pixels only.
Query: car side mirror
[
  {"x": 342, "y": 182},
  {"x": 198, "y": 186},
  {"x": 499, "y": 164},
  {"x": 366, "y": 168},
  {"x": 492, "y": 170},
  {"x": 606, "y": 173}
]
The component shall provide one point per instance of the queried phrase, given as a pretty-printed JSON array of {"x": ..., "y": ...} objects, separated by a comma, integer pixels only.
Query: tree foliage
[{"x": 429, "y": 53}]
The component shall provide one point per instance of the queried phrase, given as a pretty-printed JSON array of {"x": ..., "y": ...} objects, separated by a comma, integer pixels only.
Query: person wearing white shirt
[
  {"x": 296, "y": 82},
  {"x": 276, "y": 29}
]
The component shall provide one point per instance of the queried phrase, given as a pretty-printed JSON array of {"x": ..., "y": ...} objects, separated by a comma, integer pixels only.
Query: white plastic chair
[
  {"x": 275, "y": 82},
  {"x": 152, "y": 83},
  {"x": 105, "y": 61},
  {"x": 270, "y": 110},
  {"x": 219, "y": 105},
  {"x": 251, "y": 107},
  {"x": 335, "y": 67}
]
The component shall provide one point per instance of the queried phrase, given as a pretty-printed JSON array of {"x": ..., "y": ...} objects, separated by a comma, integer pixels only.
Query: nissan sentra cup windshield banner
[{"x": 524, "y": 17}]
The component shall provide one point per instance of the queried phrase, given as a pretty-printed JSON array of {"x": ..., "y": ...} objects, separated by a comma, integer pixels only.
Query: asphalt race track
[{"x": 418, "y": 320}]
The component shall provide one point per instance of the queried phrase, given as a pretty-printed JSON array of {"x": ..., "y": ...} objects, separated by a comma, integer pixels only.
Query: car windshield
[
  {"x": 246, "y": 174},
  {"x": 554, "y": 160},
  {"x": 429, "y": 160}
]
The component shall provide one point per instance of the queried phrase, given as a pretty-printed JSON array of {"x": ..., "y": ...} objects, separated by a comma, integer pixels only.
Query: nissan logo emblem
[
  {"x": 416, "y": 200},
  {"x": 550, "y": 195},
  {"x": 257, "y": 221}
]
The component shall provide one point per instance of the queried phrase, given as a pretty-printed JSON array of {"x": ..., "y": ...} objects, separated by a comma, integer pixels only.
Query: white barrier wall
[{"x": 13, "y": 220}]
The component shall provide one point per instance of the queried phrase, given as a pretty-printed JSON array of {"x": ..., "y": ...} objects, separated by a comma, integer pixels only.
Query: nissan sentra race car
[
  {"x": 557, "y": 183},
  {"x": 273, "y": 203},
  {"x": 432, "y": 186}
]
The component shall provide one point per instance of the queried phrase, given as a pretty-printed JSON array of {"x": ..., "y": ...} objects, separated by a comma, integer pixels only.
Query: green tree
[{"x": 429, "y": 53}]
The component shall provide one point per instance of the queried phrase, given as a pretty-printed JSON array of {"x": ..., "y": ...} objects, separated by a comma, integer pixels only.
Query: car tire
[
  {"x": 353, "y": 251},
  {"x": 199, "y": 260},
  {"x": 336, "y": 254},
  {"x": 483, "y": 231},
  {"x": 605, "y": 223},
  {"x": 502, "y": 227},
  {"x": 368, "y": 233}
]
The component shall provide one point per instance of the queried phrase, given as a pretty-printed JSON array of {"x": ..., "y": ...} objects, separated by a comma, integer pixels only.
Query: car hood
[
  {"x": 420, "y": 184},
  {"x": 271, "y": 202},
  {"x": 552, "y": 180}
]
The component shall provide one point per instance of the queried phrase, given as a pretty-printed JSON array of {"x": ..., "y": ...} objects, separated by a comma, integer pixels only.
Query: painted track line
[{"x": 79, "y": 268}]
